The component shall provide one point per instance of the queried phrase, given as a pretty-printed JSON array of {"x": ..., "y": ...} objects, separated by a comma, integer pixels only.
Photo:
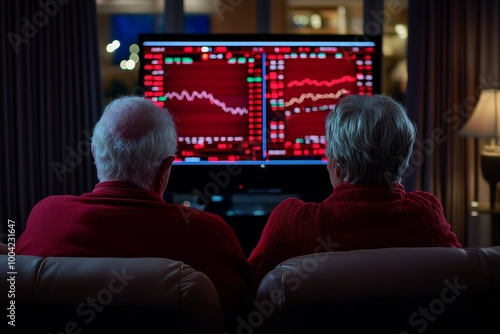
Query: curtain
[
  {"x": 453, "y": 53},
  {"x": 51, "y": 98}
]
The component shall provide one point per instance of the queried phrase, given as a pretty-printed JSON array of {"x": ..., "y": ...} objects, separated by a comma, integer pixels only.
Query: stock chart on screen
[{"x": 255, "y": 99}]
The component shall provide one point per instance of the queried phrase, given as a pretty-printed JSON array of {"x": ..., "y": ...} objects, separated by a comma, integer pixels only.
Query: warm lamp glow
[{"x": 485, "y": 121}]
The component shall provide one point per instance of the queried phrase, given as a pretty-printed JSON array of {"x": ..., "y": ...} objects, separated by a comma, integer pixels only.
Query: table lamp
[{"x": 485, "y": 123}]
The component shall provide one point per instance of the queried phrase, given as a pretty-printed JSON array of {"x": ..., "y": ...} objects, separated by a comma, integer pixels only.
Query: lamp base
[{"x": 490, "y": 167}]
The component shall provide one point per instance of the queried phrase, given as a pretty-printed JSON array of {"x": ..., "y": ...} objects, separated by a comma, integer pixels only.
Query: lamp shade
[{"x": 485, "y": 120}]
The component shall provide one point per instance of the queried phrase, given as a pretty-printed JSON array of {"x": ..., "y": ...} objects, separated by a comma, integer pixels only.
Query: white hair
[{"x": 134, "y": 158}]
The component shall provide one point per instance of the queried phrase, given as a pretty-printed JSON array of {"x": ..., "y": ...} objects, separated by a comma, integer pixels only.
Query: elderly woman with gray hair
[{"x": 369, "y": 144}]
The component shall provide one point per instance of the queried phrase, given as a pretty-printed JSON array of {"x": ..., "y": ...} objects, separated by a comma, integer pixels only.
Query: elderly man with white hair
[{"x": 133, "y": 145}]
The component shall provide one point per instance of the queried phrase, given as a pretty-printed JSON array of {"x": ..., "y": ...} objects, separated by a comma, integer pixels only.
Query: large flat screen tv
[{"x": 255, "y": 103}]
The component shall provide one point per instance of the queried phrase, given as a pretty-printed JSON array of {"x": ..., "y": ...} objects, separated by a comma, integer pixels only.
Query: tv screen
[{"x": 255, "y": 100}]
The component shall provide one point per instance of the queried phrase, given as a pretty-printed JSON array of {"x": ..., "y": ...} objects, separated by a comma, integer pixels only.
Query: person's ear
[
  {"x": 335, "y": 172},
  {"x": 161, "y": 180}
]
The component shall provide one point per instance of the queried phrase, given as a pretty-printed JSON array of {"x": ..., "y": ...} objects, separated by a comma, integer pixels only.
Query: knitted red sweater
[{"x": 353, "y": 217}]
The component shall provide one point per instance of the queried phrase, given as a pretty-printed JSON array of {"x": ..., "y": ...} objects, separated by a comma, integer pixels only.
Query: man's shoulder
[
  {"x": 204, "y": 222},
  {"x": 194, "y": 215},
  {"x": 58, "y": 199}
]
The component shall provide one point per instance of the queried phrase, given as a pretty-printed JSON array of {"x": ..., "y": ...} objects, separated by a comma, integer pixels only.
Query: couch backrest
[
  {"x": 122, "y": 295},
  {"x": 390, "y": 290}
]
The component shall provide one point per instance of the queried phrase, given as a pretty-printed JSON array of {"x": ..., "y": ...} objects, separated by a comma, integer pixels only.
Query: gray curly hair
[{"x": 370, "y": 138}]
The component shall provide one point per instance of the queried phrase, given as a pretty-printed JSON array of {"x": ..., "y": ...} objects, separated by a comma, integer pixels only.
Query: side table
[{"x": 483, "y": 211}]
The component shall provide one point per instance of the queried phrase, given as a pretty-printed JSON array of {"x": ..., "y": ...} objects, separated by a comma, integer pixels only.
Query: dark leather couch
[
  {"x": 109, "y": 295},
  {"x": 391, "y": 290}
]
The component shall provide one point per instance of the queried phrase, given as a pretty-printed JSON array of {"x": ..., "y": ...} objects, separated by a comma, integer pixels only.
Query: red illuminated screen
[{"x": 256, "y": 102}]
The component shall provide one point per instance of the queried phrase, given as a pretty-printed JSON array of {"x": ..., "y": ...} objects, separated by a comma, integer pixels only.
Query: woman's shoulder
[
  {"x": 424, "y": 200},
  {"x": 421, "y": 195},
  {"x": 295, "y": 204}
]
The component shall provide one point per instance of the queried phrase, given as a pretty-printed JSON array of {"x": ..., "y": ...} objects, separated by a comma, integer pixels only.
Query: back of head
[
  {"x": 370, "y": 138},
  {"x": 131, "y": 140}
]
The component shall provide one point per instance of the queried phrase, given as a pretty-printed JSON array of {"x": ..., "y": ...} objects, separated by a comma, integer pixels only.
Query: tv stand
[{"x": 246, "y": 212}]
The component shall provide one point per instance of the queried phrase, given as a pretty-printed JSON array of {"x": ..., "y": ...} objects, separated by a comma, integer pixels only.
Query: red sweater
[
  {"x": 120, "y": 220},
  {"x": 353, "y": 217}
]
